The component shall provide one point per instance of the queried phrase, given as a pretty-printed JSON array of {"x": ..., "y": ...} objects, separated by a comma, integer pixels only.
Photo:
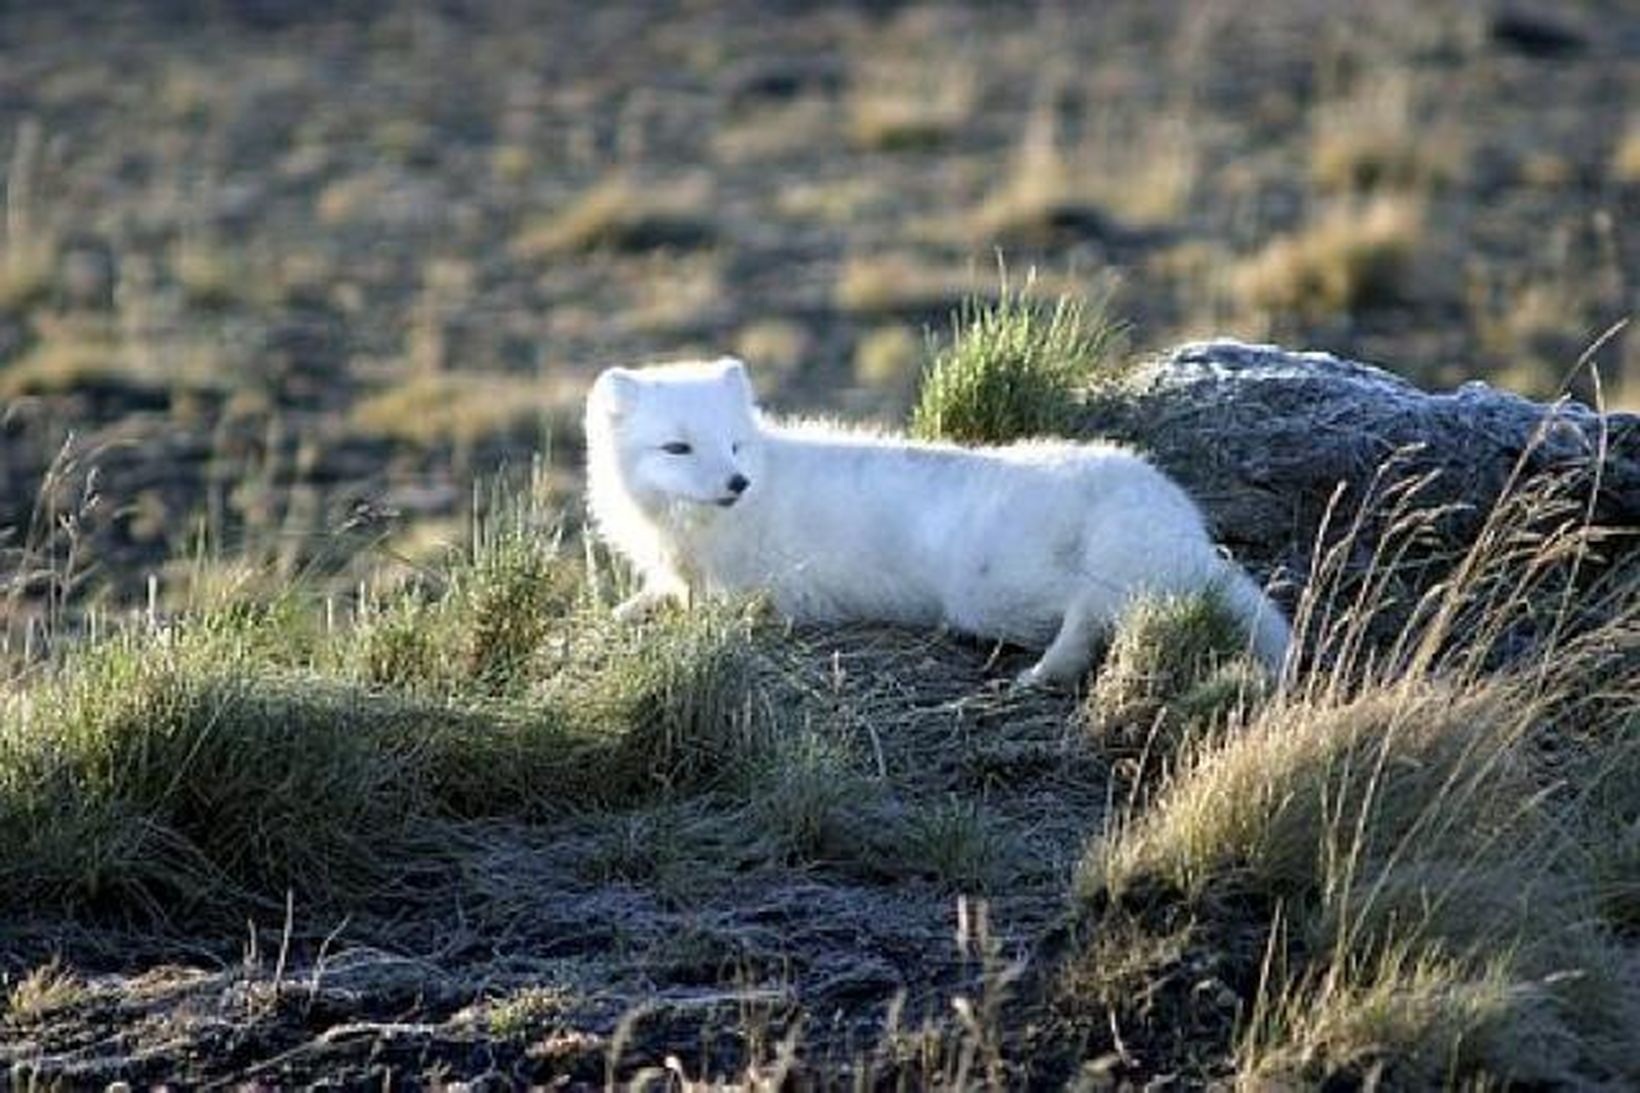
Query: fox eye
[
  {"x": 734, "y": 449},
  {"x": 677, "y": 447}
]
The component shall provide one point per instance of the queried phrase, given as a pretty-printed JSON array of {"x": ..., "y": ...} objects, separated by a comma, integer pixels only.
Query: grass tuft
[
  {"x": 1016, "y": 368},
  {"x": 1402, "y": 870},
  {"x": 1176, "y": 668},
  {"x": 1351, "y": 259},
  {"x": 459, "y": 409},
  {"x": 808, "y": 796},
  {"x": 623, "y": 214},
  {"x": 1410, "y": 1023},
  {"x": 960, "y": 845},
  {"x": 48, "y": 989},
  {"x": 1407, "y": 761}
]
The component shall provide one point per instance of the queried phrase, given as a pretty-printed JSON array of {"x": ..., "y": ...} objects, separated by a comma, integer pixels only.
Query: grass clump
[
  {"x": 1375, "y": 140},
  {"x": 1354, "y": 258},
  {"x": 1251, "y": 808},
  {"x": 1423, "y": 917},
  {"x": 1016, "y": 368},
  {"x": 1409, "y": 1023},
  {"x": 458, "y": 409},
  {"x": 526, "y": 1012},
  {"x": 1110, "y": 186},
  {"x": 1176, "y": 666},
  {"x": 623, "y": 214},
  {"x": 1625, "y": 159},
  {"x": 47, "y": 989},
  {"x": 891, "y": 114},
  {"x": 809, "y": 798},
  {"x": 959, "y": 844},
  {"x": 496, "y": 609},
  {"x": 154, "y": 776},
  {"x": 28, "y": 258},
  {"x": 886, "y": 285}
]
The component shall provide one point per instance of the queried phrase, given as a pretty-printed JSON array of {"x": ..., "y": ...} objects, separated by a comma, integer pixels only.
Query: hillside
[{"x": 474, "y": 830}]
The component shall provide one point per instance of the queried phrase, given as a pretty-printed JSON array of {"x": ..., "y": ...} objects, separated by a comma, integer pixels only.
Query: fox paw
[
  {"x": 636, "y": 609},
  {"x": 1038, "y": 678},
  {"x": 1033, "y": 679}
]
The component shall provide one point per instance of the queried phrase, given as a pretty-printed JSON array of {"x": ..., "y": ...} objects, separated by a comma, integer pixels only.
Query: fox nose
[{"x": 737, "y": 484}]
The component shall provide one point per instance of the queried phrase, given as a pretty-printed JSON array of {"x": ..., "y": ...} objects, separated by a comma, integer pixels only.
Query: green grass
[
  {"x": 246, "y": 752},
  {"x": 1016, "y": 368}
]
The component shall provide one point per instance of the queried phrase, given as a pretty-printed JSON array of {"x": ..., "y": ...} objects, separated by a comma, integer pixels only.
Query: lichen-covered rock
[{"x": 1263, "y": 436}]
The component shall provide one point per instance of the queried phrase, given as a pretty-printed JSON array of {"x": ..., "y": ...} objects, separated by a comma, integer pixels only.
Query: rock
[{"x": 1262, "y": 437}]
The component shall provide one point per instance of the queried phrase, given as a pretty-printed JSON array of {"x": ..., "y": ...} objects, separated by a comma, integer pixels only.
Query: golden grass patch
[{"x": 1354, "y": 256}]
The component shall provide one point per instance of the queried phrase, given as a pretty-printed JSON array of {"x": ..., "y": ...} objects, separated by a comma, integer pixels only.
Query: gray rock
[{"x": 1262, "y": 437}]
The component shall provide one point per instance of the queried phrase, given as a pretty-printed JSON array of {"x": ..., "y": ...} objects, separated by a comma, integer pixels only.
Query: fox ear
[
  {"x": 616, "y": 390},
  {"x": 734, "y": 374}
]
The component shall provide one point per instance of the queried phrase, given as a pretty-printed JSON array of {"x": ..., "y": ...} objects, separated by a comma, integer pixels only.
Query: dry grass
[
  {"x": 75, "y": 353},
  {"x": 459, "y": 408},
  {"x": 1176, "y": 669},
  {"x": 1115, "y": 180},
  {"x": 887, "y": 358},
  {"x": 28, "y": 257},
  {"x": 1625, "y": 161},
  {"x": 773, "y": 133},
  {"x": 899, "y": 283},
  {"x": 1252, "y": 807},
  {"x": 47, "y": 989},
  {"x": 211, "y": 274},
  {"x": 1354, "y": 257},
  {"x": 1378, "y": 139},
  {"x": 1412, "y": 1024},
  {"x": 1406, "y": 832},
  {"x": 623, "y": 213},
  {"x": 777, "y": 346},
  {"x": 899, "y": 108}
]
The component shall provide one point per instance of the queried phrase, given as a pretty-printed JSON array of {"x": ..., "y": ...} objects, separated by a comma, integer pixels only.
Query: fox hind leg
[{"x": 1072, "y": 650}]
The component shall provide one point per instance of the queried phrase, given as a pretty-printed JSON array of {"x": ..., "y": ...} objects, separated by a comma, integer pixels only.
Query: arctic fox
[{"x": 1042, "y": 543}]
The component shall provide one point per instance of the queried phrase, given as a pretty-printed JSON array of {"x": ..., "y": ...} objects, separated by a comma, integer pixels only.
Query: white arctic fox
[{"x": 1042, "y": 543}]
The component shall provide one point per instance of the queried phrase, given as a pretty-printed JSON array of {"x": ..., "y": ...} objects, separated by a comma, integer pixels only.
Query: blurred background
[{"x": 279, "y": 281}]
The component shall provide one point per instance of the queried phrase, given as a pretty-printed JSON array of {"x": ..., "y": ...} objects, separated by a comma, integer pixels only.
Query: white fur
[{"x": 1043, "y": 543}]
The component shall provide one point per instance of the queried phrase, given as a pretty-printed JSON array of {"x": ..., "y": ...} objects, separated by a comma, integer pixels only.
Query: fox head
[{"x": 677, "y": 433}]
